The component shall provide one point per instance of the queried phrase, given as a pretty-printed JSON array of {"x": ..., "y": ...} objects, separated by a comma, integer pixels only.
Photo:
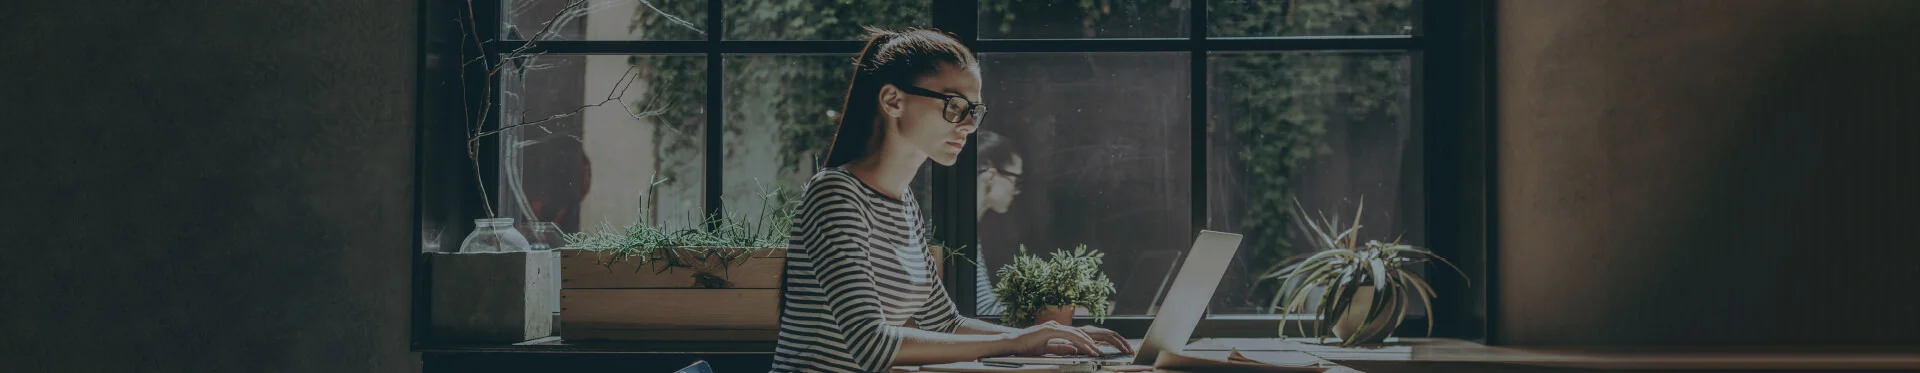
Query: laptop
[{"x": 1185, "y": 304}]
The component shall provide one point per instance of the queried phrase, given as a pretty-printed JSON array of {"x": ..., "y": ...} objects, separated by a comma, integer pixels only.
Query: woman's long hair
[
  {"x": 890, "y": 57},
  {"x": 995, "y": 150}
]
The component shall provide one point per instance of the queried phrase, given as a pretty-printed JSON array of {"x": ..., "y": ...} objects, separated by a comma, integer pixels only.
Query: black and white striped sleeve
[
  {"x": 835, "y": 230},
  {"x": 938, "y": 314}
]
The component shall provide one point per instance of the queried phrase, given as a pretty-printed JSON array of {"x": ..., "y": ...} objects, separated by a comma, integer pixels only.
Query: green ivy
[
  {"x": 810, "y": 87},
  {"x": 1283, "y": 103}
]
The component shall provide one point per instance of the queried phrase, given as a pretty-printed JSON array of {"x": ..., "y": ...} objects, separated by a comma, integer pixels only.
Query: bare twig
[
  {"x": 521, "y": 55},
  {"x": 672, "y": 18},
  {"x": 617, "y": 94}
]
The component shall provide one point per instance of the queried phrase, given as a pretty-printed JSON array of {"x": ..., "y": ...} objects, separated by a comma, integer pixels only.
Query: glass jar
[
  {"x": 494, "y": 236},
  {"x": 545, "y": 236}
]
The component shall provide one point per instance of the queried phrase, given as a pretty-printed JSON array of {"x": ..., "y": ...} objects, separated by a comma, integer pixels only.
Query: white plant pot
[{"x": 1348, "y": 326}]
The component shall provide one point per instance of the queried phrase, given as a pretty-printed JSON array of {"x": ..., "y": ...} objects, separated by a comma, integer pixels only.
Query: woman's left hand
[{"x": 1109, "y": 337}]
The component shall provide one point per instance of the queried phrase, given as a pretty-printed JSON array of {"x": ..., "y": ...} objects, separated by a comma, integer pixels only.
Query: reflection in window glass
[
  {"x": 1237, "y": 18},
  {"x": 779, "y": 122},
  {"x": 1049, "y": 19},
  {"x": 820, "y": 20},
  {"x": 603, "y": 19},
  {"x": 1100, "y": 146},
  {"x": 1324, "y": 128}
]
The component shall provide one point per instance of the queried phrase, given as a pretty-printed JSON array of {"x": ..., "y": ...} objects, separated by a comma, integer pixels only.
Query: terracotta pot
[
  {"x": 1348, "y": 326},
  {"x": 1059, "y": 314}
]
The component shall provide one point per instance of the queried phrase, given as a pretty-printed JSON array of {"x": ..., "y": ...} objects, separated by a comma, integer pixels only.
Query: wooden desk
[
  {"x": 1408, "y": 355},
  {"x": 1448, "y": 355}
]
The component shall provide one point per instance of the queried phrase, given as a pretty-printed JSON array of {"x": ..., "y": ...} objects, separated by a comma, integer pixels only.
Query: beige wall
[{"x": 1727, "y": 172}]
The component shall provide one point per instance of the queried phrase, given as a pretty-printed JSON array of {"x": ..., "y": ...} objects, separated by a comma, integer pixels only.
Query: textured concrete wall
[
  {"x": 1708, "y": 172},
  {"x": 203, "y": 187}
]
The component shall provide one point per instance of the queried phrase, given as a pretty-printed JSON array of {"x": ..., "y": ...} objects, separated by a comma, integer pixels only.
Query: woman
[
  {"x": 998, "y": 182},
  {"x": 859, "y": 293},
  {"x": 999, "y": 174}
]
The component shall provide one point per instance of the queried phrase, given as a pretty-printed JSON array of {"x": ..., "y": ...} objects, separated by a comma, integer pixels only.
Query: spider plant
[{"x": 1341, "y": 266}]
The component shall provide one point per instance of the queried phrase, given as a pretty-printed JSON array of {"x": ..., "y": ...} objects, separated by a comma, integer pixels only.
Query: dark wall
[
  {"x": 1708, "y": 172},
  {"x": 206, "y": 187}
]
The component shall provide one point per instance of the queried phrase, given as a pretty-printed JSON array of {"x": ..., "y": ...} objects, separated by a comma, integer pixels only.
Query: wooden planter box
[
  {"x": 708, "y": 301},
  {"x": 699, "y": 300}
]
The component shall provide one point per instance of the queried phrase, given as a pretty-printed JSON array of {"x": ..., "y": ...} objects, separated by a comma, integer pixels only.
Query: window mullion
[
  {"x": 953, "y": 186},
  {"x": 715, "y": 154},
  {"x": 1197, "y": 90}
]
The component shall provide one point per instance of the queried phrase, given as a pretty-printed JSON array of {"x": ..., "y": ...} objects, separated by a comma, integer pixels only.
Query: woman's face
[
  {"x": 921, "y": 120},
  {"x": 999, "y": 185}
]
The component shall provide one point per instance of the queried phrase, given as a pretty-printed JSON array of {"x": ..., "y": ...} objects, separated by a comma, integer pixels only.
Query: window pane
[
  {"x": 583, "y": 167},
  {"x": 604, "y": 19},
  {"x": 1234, "y": 18},
  {"x": 1101, "y": 144},
  {"x": 1325, "y": 128},
  {"x": 1050, "y": 19},
  {"x": 778, "y": 124},
  {"x": 820, "y": 20}
]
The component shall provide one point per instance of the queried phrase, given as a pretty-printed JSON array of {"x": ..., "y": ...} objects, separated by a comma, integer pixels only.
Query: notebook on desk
[{"x": 1180, "y": 312}]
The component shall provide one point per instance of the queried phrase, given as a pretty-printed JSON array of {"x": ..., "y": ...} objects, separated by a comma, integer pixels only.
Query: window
[{"x": 1123, "y": 125}]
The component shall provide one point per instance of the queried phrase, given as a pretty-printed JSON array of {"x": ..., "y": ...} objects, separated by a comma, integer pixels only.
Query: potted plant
[
  {"x": 1362, "y": 287},
  {"x": 717, "y": 280},
  {"x": 1036, "y": 290}
]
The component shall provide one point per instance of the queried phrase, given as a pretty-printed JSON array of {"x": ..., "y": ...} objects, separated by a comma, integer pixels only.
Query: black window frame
[{"x": 1451, "y": 50}]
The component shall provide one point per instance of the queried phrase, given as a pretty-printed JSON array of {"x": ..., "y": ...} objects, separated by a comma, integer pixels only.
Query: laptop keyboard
[{"x": 1105, "y": 353}]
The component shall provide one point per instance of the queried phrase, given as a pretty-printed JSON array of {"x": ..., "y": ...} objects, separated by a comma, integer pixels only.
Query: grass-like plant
[
  {"x": 725, "y": 239},
  {"x": 1031, "y": 284},
  {"x": 1342, "y": 265}
]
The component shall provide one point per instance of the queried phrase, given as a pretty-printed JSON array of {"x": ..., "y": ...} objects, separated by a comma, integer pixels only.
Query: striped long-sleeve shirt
[{"x": 857, "y": 270}]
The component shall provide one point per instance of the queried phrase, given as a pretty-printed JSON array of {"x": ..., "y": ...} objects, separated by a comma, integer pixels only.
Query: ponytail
[{"x": 889, "y": 57}]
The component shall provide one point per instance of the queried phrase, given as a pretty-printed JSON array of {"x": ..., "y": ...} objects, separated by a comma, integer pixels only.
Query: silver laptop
[{"x": 1185, "y": 304}]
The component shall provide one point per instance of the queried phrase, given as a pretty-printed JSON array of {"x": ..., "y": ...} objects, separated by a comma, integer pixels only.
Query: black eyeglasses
[
  {"x": 957, "y": 109},
  {"x": 1012, "y": 177}
]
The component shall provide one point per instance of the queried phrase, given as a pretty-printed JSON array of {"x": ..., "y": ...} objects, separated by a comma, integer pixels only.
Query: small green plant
[
  {"x": 1342, "y": 267},
  {"x": 729, "y": 239},
  {"x": 1031, "y": 284}
]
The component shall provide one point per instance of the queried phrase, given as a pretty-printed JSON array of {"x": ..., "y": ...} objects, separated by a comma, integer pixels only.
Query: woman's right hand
[{"x": 1039, "y": 340}]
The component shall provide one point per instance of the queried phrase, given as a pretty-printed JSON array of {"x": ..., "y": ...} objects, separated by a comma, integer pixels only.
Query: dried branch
[
  {"x": 672, "y": 18},
  {"x": 521, "y": 56},
  {"x": 618, "y": 93}
]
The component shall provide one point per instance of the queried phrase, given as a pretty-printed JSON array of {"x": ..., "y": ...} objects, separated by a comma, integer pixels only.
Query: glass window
[
  {"x": 779, "y": 122},
  {"x": 603, "y": 19},
  {"x": 1324, "y": 128},
  {"x": 1087, "y": 149},
  {"x": 1237, "y": 18},
  {"x": 820, "y": 20},
  {"x": 1050, "y": 19},
  {"x": 1090, "y": 149},
  {"x": 606, "y": 125}
]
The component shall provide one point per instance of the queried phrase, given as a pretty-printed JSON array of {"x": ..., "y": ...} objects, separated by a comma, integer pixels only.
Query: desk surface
[
  {"x": 1432, "y": 350},
  {"x": 1396, "y": 351}
]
